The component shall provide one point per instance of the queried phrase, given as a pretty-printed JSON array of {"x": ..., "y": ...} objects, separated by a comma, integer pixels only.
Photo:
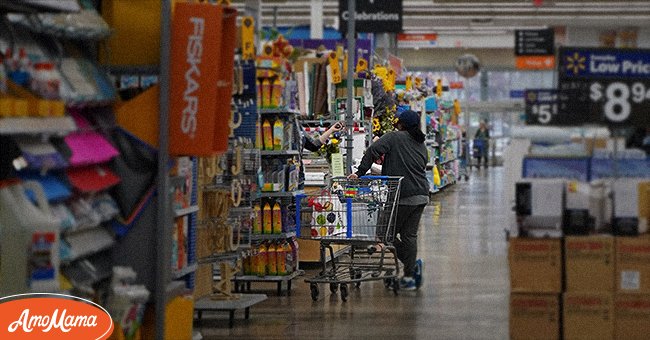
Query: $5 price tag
[
  {"x": 544, "y": 112},
  {"x": 618, "y": 98}
]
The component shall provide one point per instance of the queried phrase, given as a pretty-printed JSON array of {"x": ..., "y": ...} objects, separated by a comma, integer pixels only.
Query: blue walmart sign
[{"x": 604, "y": 63}]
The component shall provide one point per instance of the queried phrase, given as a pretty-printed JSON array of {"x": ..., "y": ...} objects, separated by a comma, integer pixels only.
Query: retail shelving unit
[{"x": 284, "y": 193}]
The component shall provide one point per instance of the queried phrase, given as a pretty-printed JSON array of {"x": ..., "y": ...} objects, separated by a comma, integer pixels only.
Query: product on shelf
[{"x": 271, "y": 262}]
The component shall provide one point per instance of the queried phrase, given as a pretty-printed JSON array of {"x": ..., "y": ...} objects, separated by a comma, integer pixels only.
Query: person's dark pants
[{"x": 406, "y": 227}]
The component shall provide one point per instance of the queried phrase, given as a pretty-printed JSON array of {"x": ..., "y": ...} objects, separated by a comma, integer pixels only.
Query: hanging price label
[
  {"x": 336, "y": 70},
  {"x": 541, "y": 107}
]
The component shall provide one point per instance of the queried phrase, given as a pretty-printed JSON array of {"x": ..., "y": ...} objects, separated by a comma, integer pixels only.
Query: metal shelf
[
  {"x": 178, "y": 273},
  {"x": 449, "y": 160},
  {"x": 278, "y": 111},
  {"x": 268, "y": 278},
  {"x": 186, "y": 211},
  {"x": 277, "y": 153},
  {"x": 37, "y": 125},
  {"x": 280, "y": 194},
  {"x": 264, "y": 237}
]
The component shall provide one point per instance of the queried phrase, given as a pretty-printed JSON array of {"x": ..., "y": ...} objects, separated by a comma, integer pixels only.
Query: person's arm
[
  {"x": 311, "y": 144},
  {"x": 374, "y": 152},
  {"x": 314, "y": 145}
]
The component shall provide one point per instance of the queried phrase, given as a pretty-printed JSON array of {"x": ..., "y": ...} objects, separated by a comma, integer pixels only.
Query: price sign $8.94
[{"x": 619, "y": 99}]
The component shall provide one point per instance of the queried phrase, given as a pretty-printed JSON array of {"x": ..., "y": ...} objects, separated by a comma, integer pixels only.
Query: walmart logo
[{"x": 575, "y": 63}]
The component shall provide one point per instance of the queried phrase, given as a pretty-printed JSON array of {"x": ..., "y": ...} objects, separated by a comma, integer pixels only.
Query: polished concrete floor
[{"x": 465, "y": 293}]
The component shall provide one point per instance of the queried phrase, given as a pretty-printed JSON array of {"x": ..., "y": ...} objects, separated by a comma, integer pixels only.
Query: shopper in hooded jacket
[{"x": 405, "y": 155}]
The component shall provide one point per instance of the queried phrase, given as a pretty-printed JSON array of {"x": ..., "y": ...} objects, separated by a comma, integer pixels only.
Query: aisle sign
[
  {"x": 534, "y": 42},
  {"x": 607, "y": 86},
  {"x": 374, "y": 16},
  {"x": 541, "y": 107},
  {"x": 417, "y": 40}
]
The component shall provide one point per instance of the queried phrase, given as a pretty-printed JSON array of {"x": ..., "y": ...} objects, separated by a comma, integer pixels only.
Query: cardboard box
[
  {"x": 633, "y": 264},
  {"x": 589, "y": 263},
  {"x": 535, "y": 265},
  {"x": 534, "y": 316},
  {"x": 632, "y": 316},
  {"x": 588, "y": 315}
]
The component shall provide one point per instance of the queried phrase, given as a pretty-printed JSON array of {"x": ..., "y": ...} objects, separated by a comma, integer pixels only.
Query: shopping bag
[{"x": 202, "y": 67}]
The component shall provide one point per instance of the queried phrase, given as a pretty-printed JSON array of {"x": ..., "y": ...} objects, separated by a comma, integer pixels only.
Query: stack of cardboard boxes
[{"x": 580, "y": 287}]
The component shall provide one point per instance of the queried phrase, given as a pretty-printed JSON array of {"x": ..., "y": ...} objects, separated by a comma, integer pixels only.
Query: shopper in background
[
  {"x": 406, "y": 156},
  {"x": 481, "y": 143},
  {"x": 314, "y": 145}
]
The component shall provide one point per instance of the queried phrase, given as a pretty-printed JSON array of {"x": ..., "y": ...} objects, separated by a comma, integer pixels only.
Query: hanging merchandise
[
  {"x": 33, "y": 248},
  {"x": 436, "y": 176},
  {"x": 201, "y": 86}
]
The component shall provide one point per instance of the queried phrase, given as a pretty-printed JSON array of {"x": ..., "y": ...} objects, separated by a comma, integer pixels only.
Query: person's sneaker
[
  {"x": 407, "y": 283},
  {"x": 417, "y": 276}
]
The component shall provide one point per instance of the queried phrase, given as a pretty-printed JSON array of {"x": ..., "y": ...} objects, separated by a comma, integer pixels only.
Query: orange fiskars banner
[{"x": 201, "y": 71}]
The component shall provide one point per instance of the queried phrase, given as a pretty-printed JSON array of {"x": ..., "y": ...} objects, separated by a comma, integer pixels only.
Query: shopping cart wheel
[
  {"x": 344, "y": 291},
  {"x": 314, "y": 291},
  {"x": 395, "y": 285},
  {"x": 334, "y": 287}
]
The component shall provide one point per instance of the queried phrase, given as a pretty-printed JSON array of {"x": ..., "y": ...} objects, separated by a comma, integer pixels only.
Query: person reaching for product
[
  {"x": 405, "y": 155},
  {"x": 314, "y": 145}
]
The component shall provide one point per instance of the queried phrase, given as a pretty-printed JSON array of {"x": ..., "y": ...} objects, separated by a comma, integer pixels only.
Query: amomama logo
[{"x": 53, "y": 316}]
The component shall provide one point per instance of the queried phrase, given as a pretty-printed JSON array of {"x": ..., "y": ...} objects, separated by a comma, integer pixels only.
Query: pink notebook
[{"x": 88, "y": 146}]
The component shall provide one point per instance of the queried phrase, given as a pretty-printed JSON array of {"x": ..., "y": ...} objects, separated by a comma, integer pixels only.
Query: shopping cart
[{"x": 361, "y": 214}]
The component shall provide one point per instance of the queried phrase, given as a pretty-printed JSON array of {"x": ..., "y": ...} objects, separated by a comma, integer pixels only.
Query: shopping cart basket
[{"x": 361, "y": 214}]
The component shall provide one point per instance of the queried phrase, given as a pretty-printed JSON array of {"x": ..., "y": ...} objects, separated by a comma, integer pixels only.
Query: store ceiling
[{"x": 484, "y": 16}]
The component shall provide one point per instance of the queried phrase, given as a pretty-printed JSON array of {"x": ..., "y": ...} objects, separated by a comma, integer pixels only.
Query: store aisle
[{"x": 465, "y": 295}]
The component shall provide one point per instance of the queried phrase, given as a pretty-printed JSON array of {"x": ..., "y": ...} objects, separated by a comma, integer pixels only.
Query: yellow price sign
[
  {"x": 362, "y": 65},
  {"x": 409, "y": 83},
  {"x": 248, "y": 38},
  {"x": 336, "y": 70},
  {"x": 391, "y": 79},
  {"x": 439, "y": 88}
]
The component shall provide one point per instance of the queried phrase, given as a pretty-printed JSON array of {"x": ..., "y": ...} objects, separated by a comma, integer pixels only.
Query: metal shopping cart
[{"x": 360, "y": 213}]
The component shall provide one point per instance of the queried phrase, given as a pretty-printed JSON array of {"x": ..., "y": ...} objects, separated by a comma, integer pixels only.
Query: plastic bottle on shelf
[
  {"x": 277, "y": 219},
  {"x": 278, "y": 134},
  {"x": 257, "y": 219},
  {"x": 268, "y": 219},
  {"x": 32, "y": 249},
  {"x": 258, "y": 135},
  {"x": 267, "y": 131},
  {"x": 45, "y": 80},
  {"x": 253, "y": 261},
  {"x": 281, "y": 258},
  {"x": 271, "y": 262},
  {"x": 261, "y": 260},
  {"x": 3, "y": 76},
  {"x": 276, "y": 95}
]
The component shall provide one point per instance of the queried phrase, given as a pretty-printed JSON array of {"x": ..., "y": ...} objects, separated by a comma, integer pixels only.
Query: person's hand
[
  {"x": 338, "y": 126},
  {"x": 353, "y": 176}
]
